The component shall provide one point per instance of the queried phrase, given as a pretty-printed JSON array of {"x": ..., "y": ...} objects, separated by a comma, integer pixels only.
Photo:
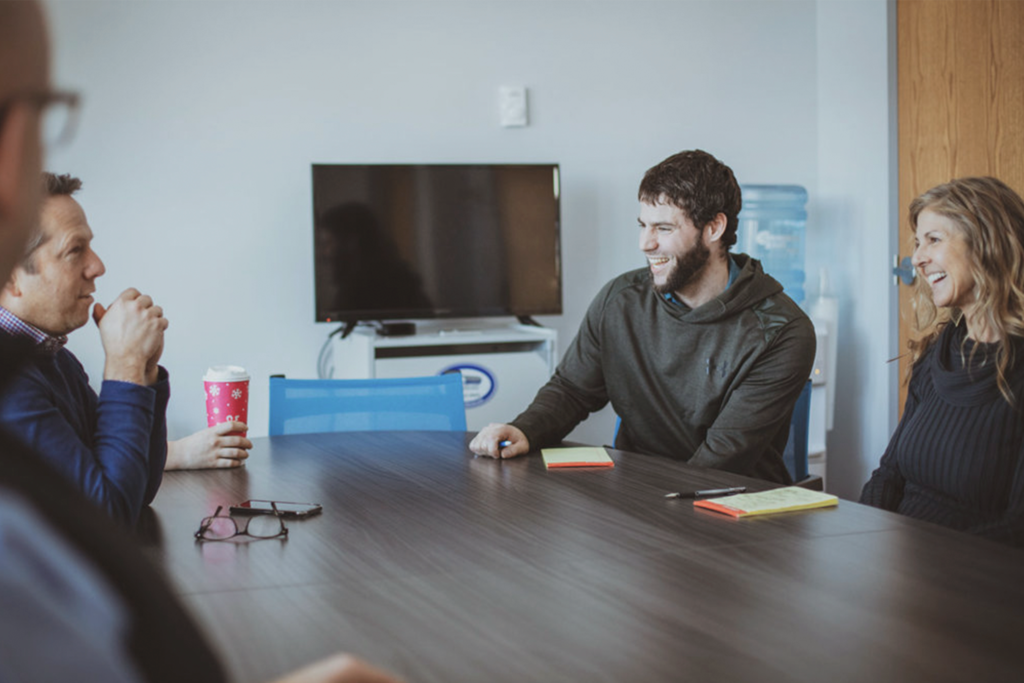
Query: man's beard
[{"x": 686, "y": 270}]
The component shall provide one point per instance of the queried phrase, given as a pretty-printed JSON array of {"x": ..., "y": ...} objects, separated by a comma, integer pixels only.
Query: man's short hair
[
  {"x": 60, "y": 185},
  {"x": 53, "y": 186},
  {"x": 700, "y": 186}
]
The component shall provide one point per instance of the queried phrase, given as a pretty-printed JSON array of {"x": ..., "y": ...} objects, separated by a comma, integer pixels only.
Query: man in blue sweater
[{"x": 112, "y": 446}]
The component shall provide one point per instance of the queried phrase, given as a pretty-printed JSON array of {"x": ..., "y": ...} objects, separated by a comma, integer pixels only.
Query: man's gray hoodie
[{"x": 714, "y": 386}]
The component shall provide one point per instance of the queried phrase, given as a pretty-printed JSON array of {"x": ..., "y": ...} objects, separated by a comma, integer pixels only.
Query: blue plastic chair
[
  {"x": 795, "y": 454},
  {"x": 304, "y": 406}
]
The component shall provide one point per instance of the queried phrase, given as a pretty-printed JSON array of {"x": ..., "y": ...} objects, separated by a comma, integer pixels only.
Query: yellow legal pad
[
  {"x": 769, "y": 502},
  {"x": 576, "y": 457}
]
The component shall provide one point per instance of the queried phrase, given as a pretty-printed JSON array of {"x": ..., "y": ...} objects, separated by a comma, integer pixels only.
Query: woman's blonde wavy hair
[{"x": 990, "y": 216}]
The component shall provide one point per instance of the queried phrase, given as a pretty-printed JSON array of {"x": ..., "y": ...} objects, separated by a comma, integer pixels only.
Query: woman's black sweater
[{"x": 956, "y": 456}]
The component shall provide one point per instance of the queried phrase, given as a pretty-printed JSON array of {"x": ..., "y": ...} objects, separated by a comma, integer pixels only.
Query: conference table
[{"x": 442, "y": 566}]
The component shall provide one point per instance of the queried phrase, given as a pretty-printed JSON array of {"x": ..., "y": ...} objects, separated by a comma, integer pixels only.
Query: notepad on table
[
  {"x": 576, "y": 457},
  {"x": 769, "y": 502}
]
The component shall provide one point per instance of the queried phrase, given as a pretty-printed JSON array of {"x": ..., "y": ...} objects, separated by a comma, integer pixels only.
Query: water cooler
[
  {"x": 771, "y": 229},
  {"x": 821, "y": 378}
]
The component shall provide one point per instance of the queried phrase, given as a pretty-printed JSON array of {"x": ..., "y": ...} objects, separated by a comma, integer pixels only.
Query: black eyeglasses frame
[
  {"x": 207, "y": 522},
  {"x": 41, "y": 100}
]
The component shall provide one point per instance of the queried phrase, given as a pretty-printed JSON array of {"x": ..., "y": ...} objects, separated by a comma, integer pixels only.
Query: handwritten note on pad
[
  {"x": 576, "y": 457},
  {"x": 769, "y": 502}
]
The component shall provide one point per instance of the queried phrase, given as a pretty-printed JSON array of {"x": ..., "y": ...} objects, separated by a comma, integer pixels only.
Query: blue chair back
[
  {"x": 795, "y": 455},
  {"x": 303, "y": 406}
]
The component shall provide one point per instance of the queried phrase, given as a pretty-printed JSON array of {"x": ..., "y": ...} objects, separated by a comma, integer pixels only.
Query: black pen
[{"x": 708, "y": 493}]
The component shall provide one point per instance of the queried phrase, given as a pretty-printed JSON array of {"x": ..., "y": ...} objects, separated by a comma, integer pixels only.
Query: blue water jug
[{"x": 771, "y": 229}]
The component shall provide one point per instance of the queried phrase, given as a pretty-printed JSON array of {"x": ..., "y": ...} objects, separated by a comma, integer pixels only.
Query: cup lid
[{"x": 225, "y": 373}]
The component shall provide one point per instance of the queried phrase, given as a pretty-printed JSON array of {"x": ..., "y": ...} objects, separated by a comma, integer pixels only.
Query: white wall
[
  {"x": 851, "y": 227},
  {"x": 202, "y": 118}
]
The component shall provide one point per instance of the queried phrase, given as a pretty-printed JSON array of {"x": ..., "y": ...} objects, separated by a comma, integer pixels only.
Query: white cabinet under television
[{"x": 502, "y": 365}]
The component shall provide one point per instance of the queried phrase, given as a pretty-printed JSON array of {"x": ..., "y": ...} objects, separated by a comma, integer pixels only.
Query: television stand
[
  {"x": 502, "y": 365},
  {"x": 528, "y": 320}
]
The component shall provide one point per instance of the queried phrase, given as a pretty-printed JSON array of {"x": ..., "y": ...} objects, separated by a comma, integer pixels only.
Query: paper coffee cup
[{"x": 227, "y": 394}]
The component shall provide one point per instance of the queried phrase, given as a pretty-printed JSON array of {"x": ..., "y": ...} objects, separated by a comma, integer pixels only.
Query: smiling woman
[
  {"x": 969, "y": 237},
  {"x": 942, "y": 257},
  {"x": 956, "y": 457}
]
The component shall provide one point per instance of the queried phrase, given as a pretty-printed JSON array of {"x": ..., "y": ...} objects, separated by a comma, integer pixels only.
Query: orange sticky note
[
  {"x": 576, "y": 457},
  {"x": 768, "y": 502}
]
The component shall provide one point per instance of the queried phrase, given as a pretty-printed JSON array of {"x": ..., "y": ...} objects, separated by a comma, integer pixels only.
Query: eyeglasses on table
[{"x": 218, "y": 527}]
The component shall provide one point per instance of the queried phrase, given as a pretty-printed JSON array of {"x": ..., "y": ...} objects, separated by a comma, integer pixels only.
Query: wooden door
[{"x": 960, "y": 70}]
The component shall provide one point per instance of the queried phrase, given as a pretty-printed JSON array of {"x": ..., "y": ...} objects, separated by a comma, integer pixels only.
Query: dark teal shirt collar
[{"x": 734, "y": 272}]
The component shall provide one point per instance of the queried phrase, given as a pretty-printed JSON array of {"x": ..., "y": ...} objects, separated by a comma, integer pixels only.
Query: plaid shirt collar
[{"x": 16, "y": 327}]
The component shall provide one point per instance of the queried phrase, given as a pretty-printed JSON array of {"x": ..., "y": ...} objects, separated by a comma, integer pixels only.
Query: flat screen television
[{"x": 422, "y": 241}]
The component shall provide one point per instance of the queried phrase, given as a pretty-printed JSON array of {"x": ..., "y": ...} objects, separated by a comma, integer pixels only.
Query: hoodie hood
[{"x": 752, "y": 286}]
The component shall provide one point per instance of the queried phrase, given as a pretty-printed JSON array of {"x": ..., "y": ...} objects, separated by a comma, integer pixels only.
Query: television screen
[{"x": 436, "y": 241}]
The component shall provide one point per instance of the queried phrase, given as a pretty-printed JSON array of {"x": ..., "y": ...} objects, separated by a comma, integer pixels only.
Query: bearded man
[{"x": 701, "y": 354}]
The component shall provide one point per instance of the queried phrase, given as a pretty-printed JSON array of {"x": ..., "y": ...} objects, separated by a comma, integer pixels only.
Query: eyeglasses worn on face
[
  {"x": 58, "y": 109},
  {"x": 218, "y": 527}
]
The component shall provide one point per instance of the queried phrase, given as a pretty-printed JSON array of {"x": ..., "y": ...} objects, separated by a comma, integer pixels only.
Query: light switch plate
[{"x": 513, "y": 104}]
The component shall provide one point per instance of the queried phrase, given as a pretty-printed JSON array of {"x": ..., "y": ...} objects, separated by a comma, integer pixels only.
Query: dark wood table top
[{"x": 445, "y": 567}]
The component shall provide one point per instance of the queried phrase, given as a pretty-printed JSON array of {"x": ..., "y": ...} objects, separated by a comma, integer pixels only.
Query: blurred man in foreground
[{"x": 79, "y": 600}]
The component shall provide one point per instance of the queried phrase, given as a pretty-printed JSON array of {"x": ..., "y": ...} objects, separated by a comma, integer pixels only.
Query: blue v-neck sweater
[{"x": 113, "y": 447}]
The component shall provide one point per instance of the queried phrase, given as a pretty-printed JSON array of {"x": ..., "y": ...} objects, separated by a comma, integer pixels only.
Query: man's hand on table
[
  {"x": 488, "y": 441},
  {"x": 210, "y": 448}
]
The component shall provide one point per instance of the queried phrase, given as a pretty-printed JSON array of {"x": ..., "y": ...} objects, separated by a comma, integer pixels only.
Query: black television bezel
[{"x": 369, "y": 315}]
